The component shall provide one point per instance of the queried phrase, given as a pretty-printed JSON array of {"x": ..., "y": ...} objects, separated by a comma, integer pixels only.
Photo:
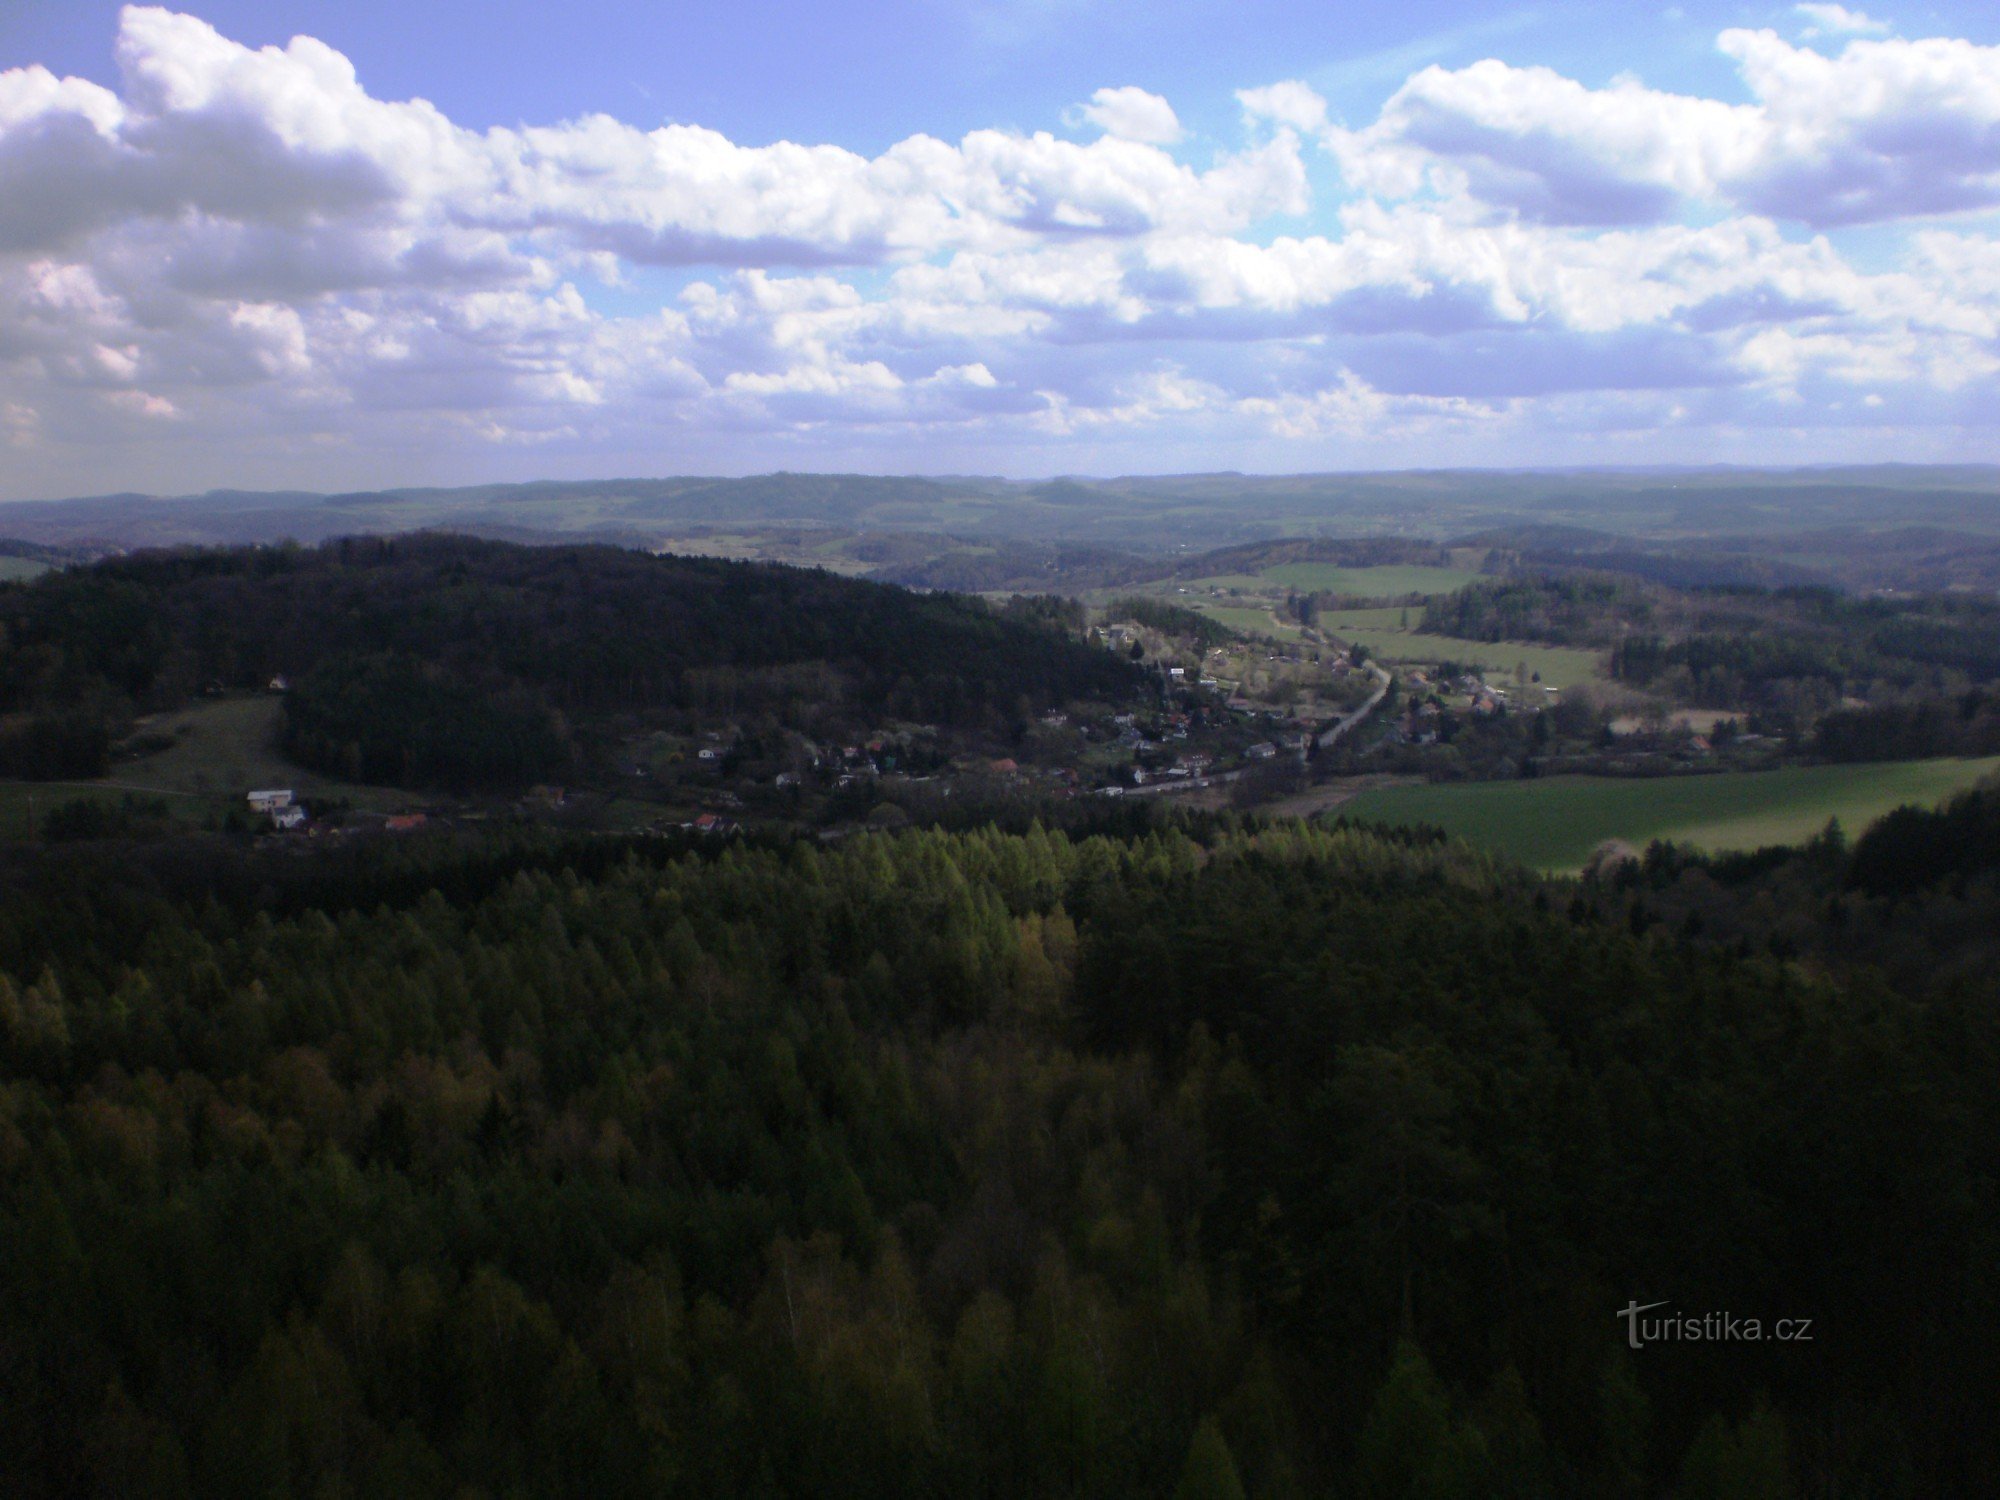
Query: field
[
  {"x": 21, "y": 569},
  {"x": 222, "y": 749},
  {"x": 1556, "y": 823},
  {"x": 1245, "y": 601},
  {"x": 1381, "y": 631},
  {"x": 1245, "y": 619}
]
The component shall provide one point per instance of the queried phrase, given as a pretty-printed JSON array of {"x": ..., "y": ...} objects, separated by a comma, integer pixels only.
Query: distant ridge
[{"x": 1074, "y": 520}]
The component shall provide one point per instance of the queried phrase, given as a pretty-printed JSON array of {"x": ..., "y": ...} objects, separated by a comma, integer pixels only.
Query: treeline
[
  {"x": 400, "y": 721},
  {"x": 1345, "y": 552},
  {"x": 1170, "y": 619},
  {"x": 1965, "y": 725},
  {"x": 1910, "y": 907},
  {"x": 69, "y": 744},
  {"x": 1569, "y": 611},
  {"x": 1794, "y": 653},
  {"x": 1208, "y": 1161},
  {"x": 439, "y": 660}
]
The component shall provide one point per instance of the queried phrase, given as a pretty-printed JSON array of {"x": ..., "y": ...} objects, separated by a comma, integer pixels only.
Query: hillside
[{"x": 436, "y": 660}]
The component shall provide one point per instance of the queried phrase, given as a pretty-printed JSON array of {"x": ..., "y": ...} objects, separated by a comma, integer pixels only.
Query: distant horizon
[{"x": 940, "y": 477}]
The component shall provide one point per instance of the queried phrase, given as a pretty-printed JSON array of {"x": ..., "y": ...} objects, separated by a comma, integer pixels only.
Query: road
[{"x": 1341, "y": 725}]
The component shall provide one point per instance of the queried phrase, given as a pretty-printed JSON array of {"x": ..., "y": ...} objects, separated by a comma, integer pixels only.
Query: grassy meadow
[
  {"x": 222, "y": 749},
  {"x": 1556, "y": 822},
  {"x": 1382, "y": 632}
]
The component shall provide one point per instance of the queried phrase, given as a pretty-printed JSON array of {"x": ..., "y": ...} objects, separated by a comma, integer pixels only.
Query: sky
[{"x": 319, "y": 245}]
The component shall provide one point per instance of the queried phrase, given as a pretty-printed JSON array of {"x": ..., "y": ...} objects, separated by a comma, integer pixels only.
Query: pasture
[
  {"x": 1556, "y": 822},
  {"x": 1382, "y": 632}
]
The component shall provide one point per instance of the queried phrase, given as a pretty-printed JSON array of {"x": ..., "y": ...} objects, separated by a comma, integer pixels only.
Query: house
[
  {"x": 270, "y": 800},
  {"x": 1005, "y": 766},
  {"x": 1262, "y": 750},
  {"x": 279, "y": 683},
  {"x": 404, "y": 822},
  {"x": 289, "y": 816},
  {"x": 708, "y": 753}
]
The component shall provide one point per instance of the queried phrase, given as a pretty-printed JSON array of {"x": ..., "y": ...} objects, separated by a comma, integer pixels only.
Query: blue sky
[
  {"x": 927, "y": 235},
  {"x": 868, "y": 75}
]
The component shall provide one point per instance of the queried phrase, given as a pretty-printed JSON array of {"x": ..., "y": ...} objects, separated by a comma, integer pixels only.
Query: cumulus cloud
[
  {"x": 1884, "y": 130},
  {"x": 1134, "y": 115},
  {"x": 242, "y": 256},
  {"x": 1838, "y": 19},
  {"x": 1287, "y": 102}
]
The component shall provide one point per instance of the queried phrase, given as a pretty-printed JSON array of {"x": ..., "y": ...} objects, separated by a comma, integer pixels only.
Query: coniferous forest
[
  {"x": 447, "y": 662},
  {"x": 1144, "y": 1157}
]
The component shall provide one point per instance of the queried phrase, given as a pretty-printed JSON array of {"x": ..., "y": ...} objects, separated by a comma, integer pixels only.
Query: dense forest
[
  {"x": 1170, "y": 619},
  {"x": 445, "y": 661},
  {"x": 1790, "y": 654},
  {"x": 1196, "y": 1158}
]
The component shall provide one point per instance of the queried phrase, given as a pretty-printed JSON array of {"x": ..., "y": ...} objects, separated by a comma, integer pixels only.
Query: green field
[
  {"x": 225, "y": 747},
  {"x": 20, "y": 569},
  {"x": 1380, "y": 630},
  {"x": 1370, "y": 583},
  {"x": 1245, "y": 619},
  {"x": 1556, "y": 823},
  {"x": 222, "y": 749}
]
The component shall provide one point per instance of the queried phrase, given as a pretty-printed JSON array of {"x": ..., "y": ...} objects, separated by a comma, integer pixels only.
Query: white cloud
[
  {"x": 240, "y": 257},
  {"x": 1885, "y": 130},
  {"x": 1838, "y": 19},
  {"x": 1287, "y": 102},
  {"x": 1134, "y": 115}
]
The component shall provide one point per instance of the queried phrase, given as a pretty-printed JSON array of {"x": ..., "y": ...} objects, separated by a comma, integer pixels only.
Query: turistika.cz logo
[{"x": 1707, "y": 1328}]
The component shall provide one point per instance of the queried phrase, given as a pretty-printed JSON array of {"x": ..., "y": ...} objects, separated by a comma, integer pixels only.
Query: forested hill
[
  {"x": 1204, "y": 1162},
  {"x": 441, "y": 660}
]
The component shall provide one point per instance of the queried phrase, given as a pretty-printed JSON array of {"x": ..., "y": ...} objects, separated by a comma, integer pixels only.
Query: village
[{"x": 1228, "y": 711}]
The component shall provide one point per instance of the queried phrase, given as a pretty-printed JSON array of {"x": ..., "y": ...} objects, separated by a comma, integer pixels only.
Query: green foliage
[
  {"x": 1233, "y": 1160},
  {"x": 441, "y": 660},
  {"x": 398, "y": 721},
  {"x": 1170, "y": 619},
  {"x": 1210, "y": 1470},
  {"x": 69, "y": 745},
  {"x": 93, "y": 818},
  {"x": 1747, "y": 1461}
]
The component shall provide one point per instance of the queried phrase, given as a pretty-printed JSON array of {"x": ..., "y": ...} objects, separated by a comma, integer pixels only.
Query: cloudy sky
[{"x": 338, "y": 243}]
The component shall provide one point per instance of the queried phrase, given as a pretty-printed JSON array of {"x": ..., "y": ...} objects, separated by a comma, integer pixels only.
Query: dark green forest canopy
[
  {"x": 1303, "y": 1161},
  {"x": 438, "y": 659},
  {"x": 1744, "y": 634}
]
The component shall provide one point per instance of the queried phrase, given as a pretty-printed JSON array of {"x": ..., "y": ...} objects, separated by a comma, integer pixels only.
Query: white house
[{"x": 270, "y": 800}]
